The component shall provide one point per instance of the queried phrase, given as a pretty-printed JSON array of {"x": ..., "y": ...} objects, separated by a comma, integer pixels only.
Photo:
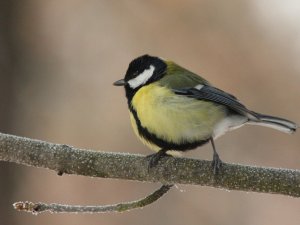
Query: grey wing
[{"x": 209, "y": 93}]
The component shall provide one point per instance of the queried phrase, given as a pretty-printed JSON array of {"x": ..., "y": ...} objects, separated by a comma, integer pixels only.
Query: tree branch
[
  {"x": 170, "y": 170},
  {"x": 36, "y": 208}
]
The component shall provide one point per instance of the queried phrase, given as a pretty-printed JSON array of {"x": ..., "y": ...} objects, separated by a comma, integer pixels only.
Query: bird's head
[{"x": 143, "y": 71}]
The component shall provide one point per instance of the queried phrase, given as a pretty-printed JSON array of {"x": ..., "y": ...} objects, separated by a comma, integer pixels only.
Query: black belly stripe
[{"x": 162, "y": 143}]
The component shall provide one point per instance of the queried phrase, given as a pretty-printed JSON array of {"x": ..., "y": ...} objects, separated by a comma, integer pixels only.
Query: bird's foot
[
  {"x": 154, "y": 158},
  {"x": 216, "y": 163}
]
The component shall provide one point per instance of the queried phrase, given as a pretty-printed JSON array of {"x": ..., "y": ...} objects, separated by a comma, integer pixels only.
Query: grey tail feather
[{"x": 277, "y": 123}]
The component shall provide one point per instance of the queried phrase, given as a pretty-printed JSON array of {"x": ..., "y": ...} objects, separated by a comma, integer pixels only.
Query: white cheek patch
[{"x": 142, "y": 78}]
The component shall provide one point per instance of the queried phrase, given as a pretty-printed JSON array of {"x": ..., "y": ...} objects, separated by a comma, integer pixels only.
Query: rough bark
[{"x": 170, "y": 170}]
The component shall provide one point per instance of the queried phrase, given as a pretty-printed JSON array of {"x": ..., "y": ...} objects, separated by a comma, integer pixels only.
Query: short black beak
[{"x": 120, "y": 82}]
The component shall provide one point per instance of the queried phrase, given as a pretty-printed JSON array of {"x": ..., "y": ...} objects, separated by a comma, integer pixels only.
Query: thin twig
[
  {"x": 169, "y": 170},
  {"x": 36, "y": 208}
]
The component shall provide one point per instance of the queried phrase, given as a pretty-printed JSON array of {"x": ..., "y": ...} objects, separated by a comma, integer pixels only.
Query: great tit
[{"x": 172, "y": 108}]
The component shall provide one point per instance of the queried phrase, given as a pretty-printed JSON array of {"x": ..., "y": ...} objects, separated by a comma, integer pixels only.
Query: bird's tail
[{"x": 275, "y": 123}]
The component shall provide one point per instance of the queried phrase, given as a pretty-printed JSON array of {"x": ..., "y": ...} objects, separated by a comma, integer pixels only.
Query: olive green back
[{"x": 178, "y": 77}]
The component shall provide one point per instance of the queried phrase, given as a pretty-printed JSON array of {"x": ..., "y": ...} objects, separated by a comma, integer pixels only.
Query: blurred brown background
[{"x": 58, "y": 60}]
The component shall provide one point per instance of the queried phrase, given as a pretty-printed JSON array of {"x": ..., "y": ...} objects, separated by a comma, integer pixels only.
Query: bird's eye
[{"x": 136, "y": 73}]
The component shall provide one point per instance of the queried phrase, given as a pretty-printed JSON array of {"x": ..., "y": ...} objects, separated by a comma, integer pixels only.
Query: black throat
[{"x": 130, "y": 93}]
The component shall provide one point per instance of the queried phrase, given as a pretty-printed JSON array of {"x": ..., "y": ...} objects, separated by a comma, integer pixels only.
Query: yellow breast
[{"x": 174, "y": 118}]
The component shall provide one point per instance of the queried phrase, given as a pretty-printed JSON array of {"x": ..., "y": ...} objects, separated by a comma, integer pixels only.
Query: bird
[{"x": 174, "y": 109}]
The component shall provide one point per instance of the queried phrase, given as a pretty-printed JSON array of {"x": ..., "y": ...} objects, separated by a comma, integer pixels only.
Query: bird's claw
[
  {"x": 154, "y": 158},
  {"x": 216, "y": 163}
]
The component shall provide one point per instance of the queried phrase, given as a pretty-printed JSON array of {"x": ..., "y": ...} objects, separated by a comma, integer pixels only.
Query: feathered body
[
  {"x": 172, "y": 108},
  {"x": 164, "y": 120}
]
